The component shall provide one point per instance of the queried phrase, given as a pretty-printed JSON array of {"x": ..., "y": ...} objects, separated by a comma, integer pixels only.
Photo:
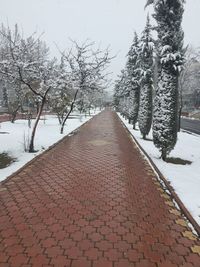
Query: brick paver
[{"x": 92, "y": 201}]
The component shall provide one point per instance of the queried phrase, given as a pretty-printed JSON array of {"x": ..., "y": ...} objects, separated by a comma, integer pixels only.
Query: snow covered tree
[
  {"x": 168, "y": 15},
  {"x": 146, "y": 73},
  {"x": 91, "y": 97},
  {"x": 116, "y": 96},
  {"x": 132, "y": 80},
  {"x": 25, "y": 61},
  {"x": 87, "y": 66},
  {"x": 62, "y": 95},
  {"x": 15, "y": 104},
  {"x": 12, "y": 97},
  {"x": 121, "y": 93}
]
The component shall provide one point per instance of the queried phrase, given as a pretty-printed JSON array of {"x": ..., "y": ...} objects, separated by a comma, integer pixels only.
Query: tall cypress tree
[
  {"x": 168, "y": 14},
  {"x": 133, "y": 81},
  {"x": 146, "y": 72},
  {"x": 121, "y": 93}
]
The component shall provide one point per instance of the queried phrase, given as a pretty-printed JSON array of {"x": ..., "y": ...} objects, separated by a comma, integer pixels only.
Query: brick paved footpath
[{"x": 92, "y": 201}]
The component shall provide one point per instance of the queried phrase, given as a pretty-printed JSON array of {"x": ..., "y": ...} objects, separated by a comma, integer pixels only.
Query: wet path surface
[{"x": 92, "y": 201}]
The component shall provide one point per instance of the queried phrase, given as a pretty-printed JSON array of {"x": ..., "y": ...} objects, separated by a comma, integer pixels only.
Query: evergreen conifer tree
[
  {"x": 146, "y": 72},
  {"x": 133, "y": 81},
  {"x": 168, "y": 14},
  {"x": 118, "y": 92}
]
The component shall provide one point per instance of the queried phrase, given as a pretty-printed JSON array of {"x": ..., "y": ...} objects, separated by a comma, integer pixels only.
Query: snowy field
[
  {"x": 185, "y": 179},
  {"x": 12, "y": 141}
]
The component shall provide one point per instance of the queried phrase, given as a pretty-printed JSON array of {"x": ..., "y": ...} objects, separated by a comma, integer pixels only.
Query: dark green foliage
[
  {"x": 146, "y": 72},
  {"x": 168, "y": 15},
  {"x": 133, "y": 80}
]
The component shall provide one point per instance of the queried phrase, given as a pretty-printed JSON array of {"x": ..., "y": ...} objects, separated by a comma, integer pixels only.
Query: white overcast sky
[{"x": 109, "y": 22}]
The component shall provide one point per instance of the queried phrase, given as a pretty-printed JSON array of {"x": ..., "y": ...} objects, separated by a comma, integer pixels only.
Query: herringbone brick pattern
[{"x": 92, "y": 201}]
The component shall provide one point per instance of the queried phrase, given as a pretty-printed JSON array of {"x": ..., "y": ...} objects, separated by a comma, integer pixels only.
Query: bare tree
[
  {"x": 87, "y": 67},
  {"x": 25, "y": 60},
  {"x": 63, "y": 93}
]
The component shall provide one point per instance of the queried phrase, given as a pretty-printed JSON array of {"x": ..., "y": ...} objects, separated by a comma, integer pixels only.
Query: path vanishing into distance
[{"x": 92, "y": 201}]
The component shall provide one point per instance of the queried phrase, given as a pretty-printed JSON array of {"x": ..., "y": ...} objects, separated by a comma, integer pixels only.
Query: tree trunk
[
  {"x": 179, "y": 119},
  {"x": 59, "y": 118},
  {"x": 31, "y": 146},
  {"x": 163, "y": 155},
  {"x": 70, "y": 110},
  {"x": 180, "y": 110},
  {"x": 37, "y": 107},
  {"x": 14, "y": 114},
  {"x": 29, "y": 120}
]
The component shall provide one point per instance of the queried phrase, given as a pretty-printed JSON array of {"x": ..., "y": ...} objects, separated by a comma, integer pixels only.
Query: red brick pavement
[{"x": 92, "y": 201}]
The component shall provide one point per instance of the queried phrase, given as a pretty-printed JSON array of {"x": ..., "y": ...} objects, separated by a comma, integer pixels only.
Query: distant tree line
[
  {"x": 189, "y": 82},
  {"x": 147, "y": 90}
]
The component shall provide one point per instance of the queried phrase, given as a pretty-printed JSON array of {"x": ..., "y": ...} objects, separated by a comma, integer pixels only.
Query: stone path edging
[{"x": 168, "y": 186}]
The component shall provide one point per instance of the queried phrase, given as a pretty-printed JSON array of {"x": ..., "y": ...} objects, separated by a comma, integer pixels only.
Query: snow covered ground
[
  {"x": 12, "y": 141},
  {"x": 185, "y": 179}
]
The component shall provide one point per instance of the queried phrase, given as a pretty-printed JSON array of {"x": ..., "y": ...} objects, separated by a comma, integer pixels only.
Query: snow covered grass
[
  {"x": 14, "y": 134},
  {"x": 185, "y": 179}
]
